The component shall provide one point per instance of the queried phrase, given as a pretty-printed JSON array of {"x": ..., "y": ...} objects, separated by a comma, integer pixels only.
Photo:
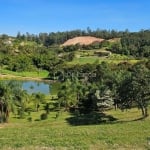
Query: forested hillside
[{"x": 28, "y": 52}]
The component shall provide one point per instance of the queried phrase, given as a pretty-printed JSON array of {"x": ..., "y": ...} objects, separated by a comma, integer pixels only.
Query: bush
[
  {"x": 29, "y": 119},
  {"x": 43, "y": 116}
]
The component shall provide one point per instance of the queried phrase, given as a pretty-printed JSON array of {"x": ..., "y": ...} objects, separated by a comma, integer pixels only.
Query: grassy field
[
  {"x": 96, "y": 59},
  {"x": 88, "y": 56},
  {"x": 33, "y": 74},
  {"x": 124, "y": 134}
]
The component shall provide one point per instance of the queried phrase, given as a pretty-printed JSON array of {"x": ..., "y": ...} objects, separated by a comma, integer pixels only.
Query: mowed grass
[
  {"x": 88, "y": 56},
  {"x": 33, "y": 74},
  {"x": 125, "y": 133},
  {"x": 96, "y": 59}
]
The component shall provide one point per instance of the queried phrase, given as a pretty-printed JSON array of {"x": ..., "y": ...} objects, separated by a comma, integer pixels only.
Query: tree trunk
[
  {"x": 37, "y": 107},
  {"x": 6, "y": 116},
  {"x": 143, "y": 112},
  {"x": 1, "y": 116},
  {"x": 146, "y": 112}
]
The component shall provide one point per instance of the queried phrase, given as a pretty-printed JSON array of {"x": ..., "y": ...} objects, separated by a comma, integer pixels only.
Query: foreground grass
[{"x": 59, "y": 134}]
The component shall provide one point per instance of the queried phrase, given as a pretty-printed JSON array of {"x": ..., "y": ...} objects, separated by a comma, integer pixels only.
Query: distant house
[
  {"x": 8, "y": 42},
  {"x": 61, "y": 55}
]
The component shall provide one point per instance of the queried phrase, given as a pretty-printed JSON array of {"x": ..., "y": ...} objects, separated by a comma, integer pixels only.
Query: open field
[
  {"x": 40, "y": 74},
  {"x": 125, "y": 133},
  {"x": 96, "y": 59},
  {"x": 88, "y": 56}
]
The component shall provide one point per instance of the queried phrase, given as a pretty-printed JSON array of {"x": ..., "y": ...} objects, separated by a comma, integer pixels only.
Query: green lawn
[
  {"x": 88, "y": 56},
  {"x": 96, "y": 59},
  {"x": 59, "y": 134},
  {"x": 34, "y": 74},
  {"x": 85, "y": 60}
]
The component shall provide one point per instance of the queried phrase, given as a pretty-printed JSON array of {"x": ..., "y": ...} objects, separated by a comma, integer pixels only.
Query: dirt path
[{"x": 2, "y": 126}]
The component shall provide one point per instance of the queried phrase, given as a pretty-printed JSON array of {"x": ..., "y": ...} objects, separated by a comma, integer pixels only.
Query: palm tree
[
  {"x": 70, "y": 93},
  {"x": 66, "y": 95},
  {"x": 12, "y": 97},
  {"x": 21, "y": 100},
  {"x": 37, "y": 99},
  {"x": 5, "y": 101}
]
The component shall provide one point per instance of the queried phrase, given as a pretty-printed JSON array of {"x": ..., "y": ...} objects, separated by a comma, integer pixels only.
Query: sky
[{"x": 36, "y": 16}]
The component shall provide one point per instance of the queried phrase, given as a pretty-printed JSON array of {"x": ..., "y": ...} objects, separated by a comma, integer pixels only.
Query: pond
[{"x": 36, "y": 86}]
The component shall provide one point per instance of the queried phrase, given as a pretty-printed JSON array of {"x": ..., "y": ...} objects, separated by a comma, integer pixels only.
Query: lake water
[{"x": 36, "y": 86}]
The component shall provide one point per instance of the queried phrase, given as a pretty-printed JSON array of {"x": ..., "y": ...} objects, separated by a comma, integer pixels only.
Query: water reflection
[
  {"x": 35, "y": 87},
  {"x": 32, "y": 86}
]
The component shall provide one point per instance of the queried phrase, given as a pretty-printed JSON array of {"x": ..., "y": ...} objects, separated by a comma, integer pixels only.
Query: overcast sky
[{"x": 35, "y": 16}]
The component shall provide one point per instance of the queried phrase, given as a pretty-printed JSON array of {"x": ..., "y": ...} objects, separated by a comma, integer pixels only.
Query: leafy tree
[
  {"x": 67, "y": 95},
  {"x": 88, "y": 103},
  {"x": 135, "y": 89},
  {"x": 20, "y": 63},
  {"x": 70, "y": 56}
]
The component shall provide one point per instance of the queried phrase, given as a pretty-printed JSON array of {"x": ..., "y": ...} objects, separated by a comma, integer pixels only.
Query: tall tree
[
  {"x": 67, "y": 95},
  {"x": 136, "y": 89}
]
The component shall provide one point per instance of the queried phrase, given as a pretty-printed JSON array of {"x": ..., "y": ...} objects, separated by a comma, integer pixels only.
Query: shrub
[
  {"x": 43, "y": 116},
  {"x": 29, "y": 119}
]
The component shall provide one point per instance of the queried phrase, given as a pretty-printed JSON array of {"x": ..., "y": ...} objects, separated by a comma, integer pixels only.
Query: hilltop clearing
[{"x": 82, "y": 40}]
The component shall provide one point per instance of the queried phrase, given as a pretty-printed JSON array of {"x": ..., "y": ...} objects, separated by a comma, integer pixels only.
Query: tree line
[
  {"x": 57, "y": 38},
  {"x": 21, "y": 55},
  {"x": 135, "y": 44},
  {"x": 132, "y": 43}
]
